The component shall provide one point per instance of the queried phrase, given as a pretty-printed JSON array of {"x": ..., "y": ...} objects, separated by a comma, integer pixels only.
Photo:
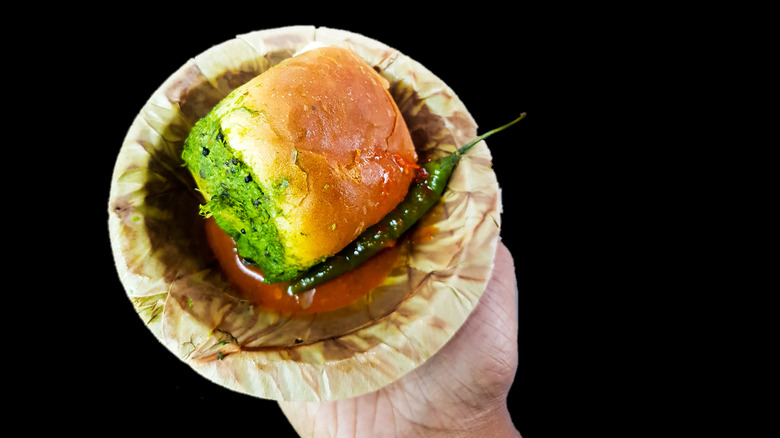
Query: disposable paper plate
[{"x": 173, "y": 281}]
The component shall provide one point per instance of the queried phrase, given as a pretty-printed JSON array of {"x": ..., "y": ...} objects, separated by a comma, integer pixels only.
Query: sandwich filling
[{"x": 244, "y": 210}]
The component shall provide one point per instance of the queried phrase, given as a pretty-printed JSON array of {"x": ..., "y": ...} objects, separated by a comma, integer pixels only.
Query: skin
[{"x": 459, "y": 392}]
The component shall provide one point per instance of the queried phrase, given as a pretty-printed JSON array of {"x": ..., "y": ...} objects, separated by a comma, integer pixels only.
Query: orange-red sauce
[
  {"x": 424, "y": 234},
  {"x": 339, "y": 292}
]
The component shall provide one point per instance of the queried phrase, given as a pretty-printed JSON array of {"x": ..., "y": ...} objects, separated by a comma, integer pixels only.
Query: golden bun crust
[{"x": 323, "y": 134}]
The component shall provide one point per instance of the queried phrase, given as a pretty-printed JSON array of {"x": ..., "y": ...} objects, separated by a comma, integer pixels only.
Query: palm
[{"x": 457, "y": 389}]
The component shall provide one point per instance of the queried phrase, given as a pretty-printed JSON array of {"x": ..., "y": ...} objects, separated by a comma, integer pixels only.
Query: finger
[
  {"x": 496, "y": 312},
  {"x": 488, "y": 337},
  {"x": 501, "y": 291}
]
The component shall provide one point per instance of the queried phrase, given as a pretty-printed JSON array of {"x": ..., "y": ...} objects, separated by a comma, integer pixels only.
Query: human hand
[{"x": 461, "y": 391}]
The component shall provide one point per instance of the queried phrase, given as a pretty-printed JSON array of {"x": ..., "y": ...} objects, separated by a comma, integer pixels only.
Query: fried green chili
[{"x": 422, "y": 195}]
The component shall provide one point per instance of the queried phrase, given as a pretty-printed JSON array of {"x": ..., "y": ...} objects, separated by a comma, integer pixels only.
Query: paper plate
[{"x": 174, "y": 282}]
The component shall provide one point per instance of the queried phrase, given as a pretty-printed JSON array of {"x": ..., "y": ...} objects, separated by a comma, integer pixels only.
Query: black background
[{"x": 118, "y": 371}]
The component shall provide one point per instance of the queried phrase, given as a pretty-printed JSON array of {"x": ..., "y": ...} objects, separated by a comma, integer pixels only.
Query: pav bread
[{"x": 298, "y": 161}]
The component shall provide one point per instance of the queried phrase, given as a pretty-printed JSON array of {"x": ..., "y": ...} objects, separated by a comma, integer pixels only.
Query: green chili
[{"x": 423, "y": 194}]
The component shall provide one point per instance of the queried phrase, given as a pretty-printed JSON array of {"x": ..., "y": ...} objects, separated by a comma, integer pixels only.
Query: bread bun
[{"x": 326, "y": 144}]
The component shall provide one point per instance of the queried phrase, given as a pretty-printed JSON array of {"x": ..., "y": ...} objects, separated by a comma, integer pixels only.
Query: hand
[{"x": 459, "y": 392}]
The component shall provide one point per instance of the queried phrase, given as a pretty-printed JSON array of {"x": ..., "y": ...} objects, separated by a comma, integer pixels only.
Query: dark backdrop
[{"x": 114, "y": 61}]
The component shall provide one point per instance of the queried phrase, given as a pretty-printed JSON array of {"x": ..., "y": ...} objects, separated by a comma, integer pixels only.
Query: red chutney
[{"x": 339, "y": 292}]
